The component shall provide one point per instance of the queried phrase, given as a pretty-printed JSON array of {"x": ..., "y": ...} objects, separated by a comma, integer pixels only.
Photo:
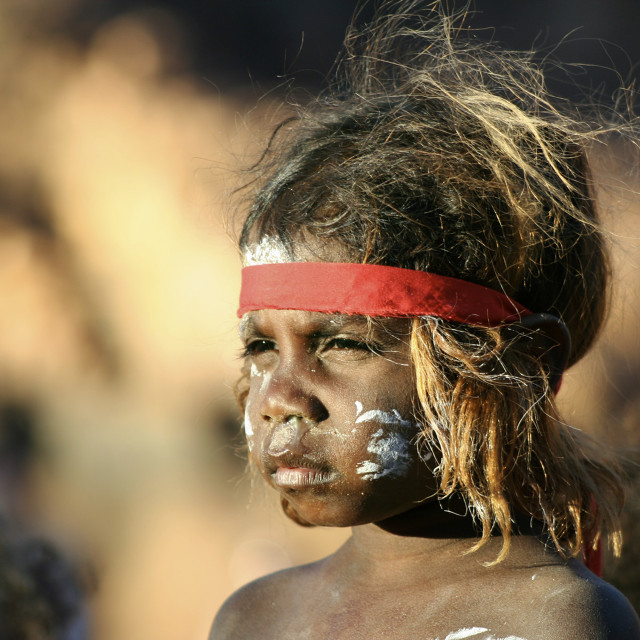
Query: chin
[{"x": 325, "y": 515}]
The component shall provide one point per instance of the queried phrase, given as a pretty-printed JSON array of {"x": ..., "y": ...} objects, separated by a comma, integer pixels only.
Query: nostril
[{"x": 286, "y": 399}]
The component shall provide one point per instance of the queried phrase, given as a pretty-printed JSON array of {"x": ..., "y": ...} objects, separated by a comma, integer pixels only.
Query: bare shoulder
[
  {"x": 577, "y": 605},
  {"x": 254, "y": 610}
]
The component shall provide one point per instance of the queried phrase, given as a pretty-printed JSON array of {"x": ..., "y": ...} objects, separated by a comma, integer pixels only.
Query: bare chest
[{"x": 429, "y": 614}]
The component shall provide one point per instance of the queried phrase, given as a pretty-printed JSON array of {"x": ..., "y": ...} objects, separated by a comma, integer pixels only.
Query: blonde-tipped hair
[{"x": 437, "y": 152}]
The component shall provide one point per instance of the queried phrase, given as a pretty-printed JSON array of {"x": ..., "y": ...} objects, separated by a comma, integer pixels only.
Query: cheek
[
  {"x": 248, "y": 427},
  {"x": 391, "y": 451},
  {"x": 388, "y": 455}
]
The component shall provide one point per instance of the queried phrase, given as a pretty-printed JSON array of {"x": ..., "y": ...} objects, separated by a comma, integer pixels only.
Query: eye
[
  {"x": 258, "y": 346},
  {"x": 352, "y": 344}
]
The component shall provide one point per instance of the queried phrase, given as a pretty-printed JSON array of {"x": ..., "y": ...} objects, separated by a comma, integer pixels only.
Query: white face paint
[
  {"x": 384, "y": 417},
  {"x": 392, "y": 455},
  {"x": 248, "y": 427},
  {"x": 254, "y": 372},
  {"x": 269, "y": 250}
]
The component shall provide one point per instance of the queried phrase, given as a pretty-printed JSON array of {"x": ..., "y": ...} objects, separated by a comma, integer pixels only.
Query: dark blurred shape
[
  {"x": 624, "y": 573},
  {"x": 40, "y": 593},
  {"x": 16, "y": 436},
  {"x": 17, "y": 449},
  {"x": 238, "y": 44}
]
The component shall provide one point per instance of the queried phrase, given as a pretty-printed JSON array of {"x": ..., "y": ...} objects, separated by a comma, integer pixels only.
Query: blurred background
[{"x": 121, "y": 125}]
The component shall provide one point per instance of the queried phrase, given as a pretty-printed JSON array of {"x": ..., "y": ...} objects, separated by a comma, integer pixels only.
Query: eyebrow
[{"x": 324, "y": 324}]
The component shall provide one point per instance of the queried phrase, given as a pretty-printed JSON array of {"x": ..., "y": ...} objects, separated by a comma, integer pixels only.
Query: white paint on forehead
[
  {"x": 269, "y": 250},
  {"x": 383, "y": 417},
  {"x": 391, "y": 453}
]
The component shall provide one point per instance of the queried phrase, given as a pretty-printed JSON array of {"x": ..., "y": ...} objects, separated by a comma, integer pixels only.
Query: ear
[{"x": 549, "y": 340}]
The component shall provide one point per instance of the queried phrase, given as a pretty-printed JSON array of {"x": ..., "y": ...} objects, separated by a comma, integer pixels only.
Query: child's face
[{"x": 329, "y": 416}]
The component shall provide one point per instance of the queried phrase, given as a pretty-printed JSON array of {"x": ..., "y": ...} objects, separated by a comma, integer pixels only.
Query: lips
[
  {"x": 290, "y": 471},
  {"x": 300, "y": 477}
]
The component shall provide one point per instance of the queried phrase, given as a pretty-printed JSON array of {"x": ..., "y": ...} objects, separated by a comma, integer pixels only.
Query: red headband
[{"x": 373, "y": 290}]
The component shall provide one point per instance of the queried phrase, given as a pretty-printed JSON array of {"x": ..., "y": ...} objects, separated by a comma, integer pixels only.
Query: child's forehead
[{"x": 312, "y": 321}]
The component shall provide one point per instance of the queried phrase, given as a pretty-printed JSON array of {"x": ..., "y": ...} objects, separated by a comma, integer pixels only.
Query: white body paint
[
  {"x": 466, "y": 633},
  {"x": 268, "y": 251},
  {"x": 478, "y": 633}
]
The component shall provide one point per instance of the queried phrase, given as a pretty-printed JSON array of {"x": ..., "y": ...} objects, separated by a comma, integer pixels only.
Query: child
[{"x": 423, "y": 261}]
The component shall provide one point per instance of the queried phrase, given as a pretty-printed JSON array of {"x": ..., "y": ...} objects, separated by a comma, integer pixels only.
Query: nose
[
  {"x": 289, "y": 393},
  {"x": 292, "y": 408}
]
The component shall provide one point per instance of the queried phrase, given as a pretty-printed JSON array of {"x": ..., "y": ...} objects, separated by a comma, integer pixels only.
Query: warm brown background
[{"x": 118, "y": 285}]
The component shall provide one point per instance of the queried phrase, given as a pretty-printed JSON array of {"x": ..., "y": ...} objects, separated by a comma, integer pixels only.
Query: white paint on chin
[{"x": 269, "y": 250}]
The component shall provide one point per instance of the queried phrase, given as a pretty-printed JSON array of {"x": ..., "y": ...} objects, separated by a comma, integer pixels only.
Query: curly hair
[{"x": 433, "y": 151}]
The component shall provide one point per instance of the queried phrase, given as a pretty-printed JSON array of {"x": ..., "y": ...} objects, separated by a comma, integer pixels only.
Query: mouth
[
  {"x": 295, "y": 471},
  {"x": 300, "y": 477}
]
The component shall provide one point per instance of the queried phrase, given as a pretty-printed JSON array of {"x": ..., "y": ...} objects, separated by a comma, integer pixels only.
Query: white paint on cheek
[
  {"x": 382, "y": 417},
  {"x": 256, "y": 373},
  {"x": 391, "y": 453},
  {"x": 266, "y": 380},
  {"x": 248, "y": 428},
  {"x": 269, "y": 250},
  {"x": 358, "y": 409}
]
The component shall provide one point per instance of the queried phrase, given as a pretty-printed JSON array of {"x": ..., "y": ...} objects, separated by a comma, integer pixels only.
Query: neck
[{"x": 441, "y": 531}]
